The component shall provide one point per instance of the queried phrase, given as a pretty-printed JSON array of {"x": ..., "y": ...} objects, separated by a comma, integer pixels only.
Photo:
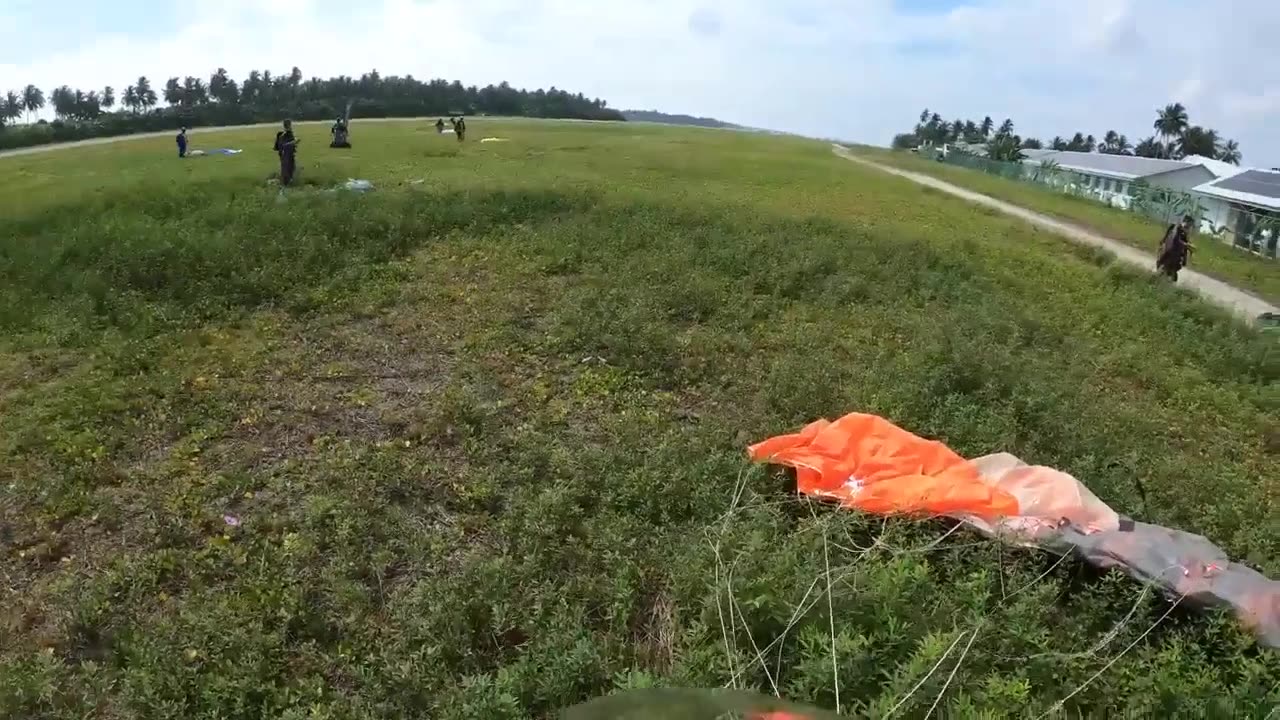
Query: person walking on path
[{"x": 1175, "y": 248}]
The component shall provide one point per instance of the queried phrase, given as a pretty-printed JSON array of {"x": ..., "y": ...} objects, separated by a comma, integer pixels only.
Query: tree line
[
  {"x": 1174, "y": 138},
  {"x": 262, "y": 97}
]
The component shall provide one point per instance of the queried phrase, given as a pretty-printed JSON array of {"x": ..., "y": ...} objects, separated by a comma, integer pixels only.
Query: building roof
[
  {"x": 1217, "y": 167},
  {"x": 1124, "y": 167},
  {"x": 1259, "y": 188}
]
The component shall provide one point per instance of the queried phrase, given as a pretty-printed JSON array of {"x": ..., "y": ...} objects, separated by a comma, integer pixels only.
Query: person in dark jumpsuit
[
  {"x": 339, "y": 132},
  {"x": 287, "y": 148},
  {"x": 182, "y": 142},
  {"x": 460, "y": 129},
  {"x": 1175, "y": 248}
]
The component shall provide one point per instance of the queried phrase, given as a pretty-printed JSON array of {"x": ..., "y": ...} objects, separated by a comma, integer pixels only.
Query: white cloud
[{"x": 856, "y": 69}]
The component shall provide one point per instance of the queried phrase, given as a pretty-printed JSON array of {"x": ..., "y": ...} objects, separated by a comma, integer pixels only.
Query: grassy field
[
  {"x": 1212, "y": 257},
  {"x": 471, "y": 445}
]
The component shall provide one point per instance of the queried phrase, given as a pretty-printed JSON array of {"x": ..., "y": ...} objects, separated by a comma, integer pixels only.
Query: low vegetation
[
  {"x": 1211, "y": 257},
  {"x": 470, "y": 445}
]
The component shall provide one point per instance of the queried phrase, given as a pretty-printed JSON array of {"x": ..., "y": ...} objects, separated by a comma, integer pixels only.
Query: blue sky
[{"x": 852, "y": 69}]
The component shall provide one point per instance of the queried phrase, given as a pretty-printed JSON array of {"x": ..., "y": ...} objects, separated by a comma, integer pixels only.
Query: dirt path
[{"x": 1238, "y": 301}]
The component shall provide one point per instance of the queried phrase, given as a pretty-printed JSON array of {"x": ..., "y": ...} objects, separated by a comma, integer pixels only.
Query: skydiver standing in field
[
  {"x": 1175, "y": 248},
  {"x": 287, "y": 148},
  {"x": 339, "y": 132},
  {"x": 182, "y": 142},
  {"x": 460, "y": 129}
]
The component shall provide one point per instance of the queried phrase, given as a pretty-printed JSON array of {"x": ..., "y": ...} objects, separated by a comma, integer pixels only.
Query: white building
[
  {"x": 1110, "y": 177},
  {"x": 1239, "y": 202},
  {"x": 1217, "y": 167}
]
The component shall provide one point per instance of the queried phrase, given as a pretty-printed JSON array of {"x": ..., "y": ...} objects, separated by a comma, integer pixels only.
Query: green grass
[
  {"x": 1248, "y": 272},
  {"x": 482, "y": 435}
]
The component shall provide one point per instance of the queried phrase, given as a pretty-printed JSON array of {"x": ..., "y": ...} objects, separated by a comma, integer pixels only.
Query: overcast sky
[{"x": 851, "y": 69}]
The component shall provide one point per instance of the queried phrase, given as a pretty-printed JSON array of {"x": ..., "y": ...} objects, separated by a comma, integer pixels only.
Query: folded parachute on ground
[
  {"x": 216, "y": 151},
  {"x": 867, "y": 463}
]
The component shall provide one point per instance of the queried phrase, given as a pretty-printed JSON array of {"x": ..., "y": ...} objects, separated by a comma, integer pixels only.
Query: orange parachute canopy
[{"x": 867, "y": 462}]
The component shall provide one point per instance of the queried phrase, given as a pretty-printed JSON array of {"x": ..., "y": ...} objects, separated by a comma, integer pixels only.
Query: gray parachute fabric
[
  {"x": 1185, "y": 566},
  {"x": 1182, "y": 564}
]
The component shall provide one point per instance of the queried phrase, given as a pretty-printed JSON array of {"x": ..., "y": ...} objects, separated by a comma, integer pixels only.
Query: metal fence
[{"x": 1245, "y": 228}]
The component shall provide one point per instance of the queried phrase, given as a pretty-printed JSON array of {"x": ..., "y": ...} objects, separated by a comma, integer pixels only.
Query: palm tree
[
  {"x": 146, "y": 96},
  {"x": 130, "y": 99},
  {"x": 194, "y": 91},
  {"x": 32, "y": 99},
  {"x": 1197, "y": 140},
  {"x": 1150, "y": 147},
  {"x": 1004, "y": 148},
  {"x": 63, "y": 101},
  {"x": 223, "y": 88},
  {"x": 108, "y": 97},
  {"x": 251, "y": 90},
  {"x": 173, "y": 92},
  {"x": 1057, "y": 143},
  {"x": 924, "y": 114},
  {"x": 986, "y": 126},
  {"x": 1171, "y": 121},
  {"x": 1006, "y": 128},
  {"x": 1090, "y": 143},
  {"x": 92, "y": 106},
  {"x": 1032, "y": 144},
  {"x": 11, "y": 107},
  {"x": 934, "y": 130},
  {"x": 1230, "y": 152},
  {"x": 1047, "y": 171},
  {"x": 1113, "y": 143},
  {"x": 957, "y": 130}
]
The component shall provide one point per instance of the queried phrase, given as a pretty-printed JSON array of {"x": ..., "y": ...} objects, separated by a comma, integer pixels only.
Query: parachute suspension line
[
  {"x": 943, "y": 691},
  {"x": 927, "y": 675},
  {"x": 1059, "y": 705},
  {"x": 831, "y": 616}
]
